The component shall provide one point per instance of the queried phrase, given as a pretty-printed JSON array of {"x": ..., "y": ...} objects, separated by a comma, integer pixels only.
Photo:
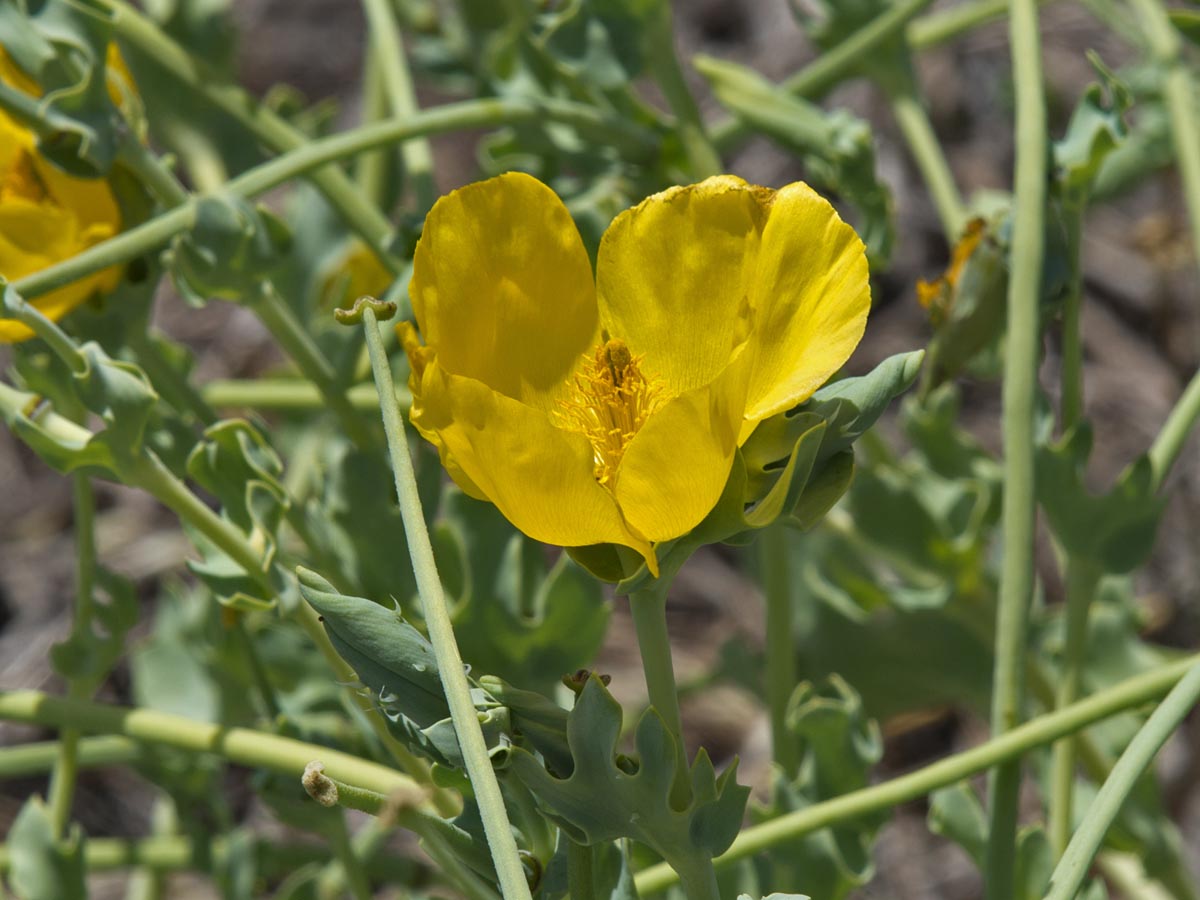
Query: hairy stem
[{"x": 499, "y": 833}]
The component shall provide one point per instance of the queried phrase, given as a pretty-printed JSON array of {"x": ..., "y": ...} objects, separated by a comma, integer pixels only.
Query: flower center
[{"x": 608, "y": 402}]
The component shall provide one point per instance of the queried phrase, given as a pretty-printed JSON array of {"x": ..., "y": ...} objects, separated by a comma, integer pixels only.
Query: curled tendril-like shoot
[{"x": 383, "y": 310}]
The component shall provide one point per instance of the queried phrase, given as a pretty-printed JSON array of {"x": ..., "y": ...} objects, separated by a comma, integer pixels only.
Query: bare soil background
[{"x": 1141, "y": 334}]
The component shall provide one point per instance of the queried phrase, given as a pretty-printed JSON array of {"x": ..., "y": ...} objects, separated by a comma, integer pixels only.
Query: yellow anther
[{"x": 608, "y": 403}]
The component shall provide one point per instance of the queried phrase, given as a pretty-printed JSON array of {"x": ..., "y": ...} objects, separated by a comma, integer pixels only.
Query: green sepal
[
  {"x": 809, "y": 446},
  {"x": 1115, "y": 531},
  {"x": 232, "y": 246},
  {"x": 599, "y": 801},
  {"x": 535, "y": 719},
  {"x": 42, "y": 868}
]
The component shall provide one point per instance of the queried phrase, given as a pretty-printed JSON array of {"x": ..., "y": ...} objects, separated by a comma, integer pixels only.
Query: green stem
[
  {"x": 1166, "y": 46},
  {"x": 649, "y": 609},
  {"x": 288, "y": 394},
  {"x": 1073, "y": 867},
  {"x": 496, "y": 826},
  {"x": 781, "y": 644},
  {"x": 927, "y": 153},
  {"x": 258, "y": 673},
  {"x": 363, "y": 218},
  {"x": 300, "y": 347},
  {"x": 946, "y": 24},
  {"x": 151, "y": 172},
  {"x": 469, "y": 114},
  {"x": 664, "y": 66},
  {"x": 149, "y": 474},
  {"x": 343, "y": 851},
  {"x": 62, "y": 779},
  {"x": 1128, "y": 694},
  {"x": 1019, "y": 395},
  {"x": 1082, "y": 579},
  {"x": 831, "y": 66},
  {"x": 177, "y": 852},
  {"x": 245, "y": 746},
  {"x": 388, "y": 48},
  {"x": 580, "y": 885},
  {"x": 1175, "y": 431},
  {"x": 39, "y": 758},
  {"x": 372, "y": 170},
  {"x": 1072, "y": 340}
]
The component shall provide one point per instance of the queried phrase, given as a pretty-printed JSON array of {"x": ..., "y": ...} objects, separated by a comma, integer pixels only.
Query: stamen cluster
[{"x": 609, "y": 401}]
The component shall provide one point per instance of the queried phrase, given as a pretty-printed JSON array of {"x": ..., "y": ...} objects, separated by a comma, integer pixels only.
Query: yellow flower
[
  {"x": 609, "y": 410},
  {"x": 46, "y": 215}
]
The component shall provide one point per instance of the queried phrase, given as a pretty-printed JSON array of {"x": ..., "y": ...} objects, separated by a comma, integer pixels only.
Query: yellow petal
[
  {"x": 502, "y": 288},
  {"x": 540, "y": 477},
  {"x": 34, "y": 236},
  {"x": 90, "y": 199},
  {"x": 811, "y": 295},
  {"x": 673, "y": 277},
  {"x": 676, "y": 466}
]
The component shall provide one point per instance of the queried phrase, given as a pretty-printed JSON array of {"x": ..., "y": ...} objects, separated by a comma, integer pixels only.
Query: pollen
[{"x": 608, "y": 402}]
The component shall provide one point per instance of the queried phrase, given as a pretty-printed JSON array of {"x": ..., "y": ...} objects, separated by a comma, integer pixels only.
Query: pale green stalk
[
  {"x": 245, "y": 746},
  {"x": 371, "y": 170},
  {"x": 1131, "y": 693},
  {"x": 830, "y": 67},
  {"x": 288, "y": 394},
  {"x": 21, "y": 760},
  {"x": 388, "y": 47},
  {"x": 1072, "y": 341},
  {"x": 1082, "y": 580},
  {"x": 1175, "y": 432},
  {"x": 664, "y": 66},
  {"x": 496, "y": 826},
  {"x": 1166, "y": 46},
  {"x": 946, "y": 24},
  {"x": 470, "y": 114},
  {"x": 781, "y": 645},
  {"x": 928, "y": 154},
  {"x": 1072, "y": 869},
  {"x": 1020, "y": 388},
  {"x": 649, "y": 609},
  {"x": 364, "y": 219},
  {"x": 343, "y": 851},
  {"x": 62, "y": 779}
]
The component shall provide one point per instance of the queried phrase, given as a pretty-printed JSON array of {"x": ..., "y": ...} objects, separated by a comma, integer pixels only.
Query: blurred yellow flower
[
  {"x": 46, "y": 215},
  {"x": 357, "y": 272},
  {"x": 609, "y": 410}
]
